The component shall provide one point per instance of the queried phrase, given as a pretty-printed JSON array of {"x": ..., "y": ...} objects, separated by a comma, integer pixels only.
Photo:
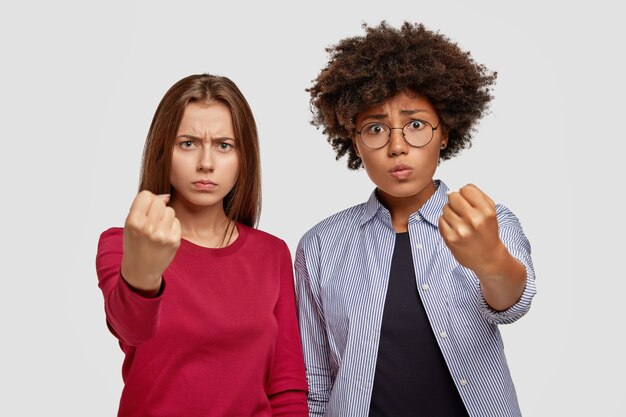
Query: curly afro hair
[{"x": 367, "y": 70}]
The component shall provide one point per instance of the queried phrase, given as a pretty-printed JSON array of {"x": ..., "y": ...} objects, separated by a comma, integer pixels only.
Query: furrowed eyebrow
[
  {"x": 408, "y": 112},
  {"x": 376, "y": 116},
  {"x": 222, "y": 139},
  {"x": 191, "y": 137}
]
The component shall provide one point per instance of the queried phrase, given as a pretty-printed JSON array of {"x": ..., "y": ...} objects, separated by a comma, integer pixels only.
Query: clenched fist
[
  {"x": 470, "y": 230},
  {"x": 469, "y": 227},
  {"x": 151, "y": 239}
]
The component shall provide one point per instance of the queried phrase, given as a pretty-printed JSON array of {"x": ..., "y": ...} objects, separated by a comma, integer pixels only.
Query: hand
[
  {"x": 151, "y": 238},
  {"x": 469, "y": 228}
]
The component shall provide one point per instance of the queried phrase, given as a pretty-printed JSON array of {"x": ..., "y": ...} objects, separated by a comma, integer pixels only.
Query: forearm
[
  {"x": 133, "y": 317},
  {"x": 502, "y": 281}
]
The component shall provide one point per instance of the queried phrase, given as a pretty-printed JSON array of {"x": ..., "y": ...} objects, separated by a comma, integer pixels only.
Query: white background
[{"x": 79, "y": 85}]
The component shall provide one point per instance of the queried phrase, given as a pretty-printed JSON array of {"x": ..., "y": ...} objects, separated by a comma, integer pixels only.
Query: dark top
[{"x": 411, "y": 377}]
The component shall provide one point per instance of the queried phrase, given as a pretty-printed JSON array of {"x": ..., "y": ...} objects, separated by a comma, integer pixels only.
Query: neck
[
  {"x": 205, "y": 226},
  {"x": 401, "y": 208}
]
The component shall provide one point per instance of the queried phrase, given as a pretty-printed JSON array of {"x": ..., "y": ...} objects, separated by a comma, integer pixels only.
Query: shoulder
[
  {"x": 337, "y": 225},
  {"x": 261, "y": 238},
  {"x": 111, "y": 238}
]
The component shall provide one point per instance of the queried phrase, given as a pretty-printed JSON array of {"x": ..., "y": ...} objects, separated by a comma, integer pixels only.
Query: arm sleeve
[
  {"x": 312, "y": 326},
  {"x": 132, "y": 318},
  {"x": 287, "y": 387},
  {"x": 517, "y": 244}
]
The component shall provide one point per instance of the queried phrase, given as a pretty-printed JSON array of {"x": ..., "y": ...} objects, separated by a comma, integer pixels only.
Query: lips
[
  {"x": 401, "y": 171},
  {"x": 204, "y": 185}
]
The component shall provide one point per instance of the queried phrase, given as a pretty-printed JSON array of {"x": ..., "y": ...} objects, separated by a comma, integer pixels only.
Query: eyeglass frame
[{"x": 402, "y": 129}]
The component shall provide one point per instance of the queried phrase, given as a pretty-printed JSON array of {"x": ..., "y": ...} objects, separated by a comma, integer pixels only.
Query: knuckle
[
  {"x": 464, "y": 233},
  {"x": 144, "y": 195},
  {"x": 161, "y": 237},
  {"x": 132, "y": 223},
  {"x": 149, "y": 229},
  {"x": 168, "y": 239},
  {"x": 452, "y": 238},
  {"x": 477, "y": 221}
]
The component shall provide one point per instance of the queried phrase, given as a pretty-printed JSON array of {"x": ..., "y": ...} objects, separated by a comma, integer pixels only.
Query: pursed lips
[{"x": 401, "y": 171}]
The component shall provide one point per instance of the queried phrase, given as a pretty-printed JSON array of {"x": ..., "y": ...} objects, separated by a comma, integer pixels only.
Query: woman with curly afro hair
[{"x": 400, "y": 298}]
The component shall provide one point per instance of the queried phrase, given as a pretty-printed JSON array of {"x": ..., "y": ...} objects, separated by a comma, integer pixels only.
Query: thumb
[{"x": 164, "y": 197}]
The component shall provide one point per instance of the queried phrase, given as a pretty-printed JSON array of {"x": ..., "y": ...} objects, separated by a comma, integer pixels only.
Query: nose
[
  {"x": 206, "y": 162},
  {"x": 397, "y": 144}
]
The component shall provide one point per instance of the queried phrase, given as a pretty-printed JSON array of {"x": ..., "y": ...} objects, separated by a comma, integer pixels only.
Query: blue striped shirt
[{"x": 342, "y": 270}]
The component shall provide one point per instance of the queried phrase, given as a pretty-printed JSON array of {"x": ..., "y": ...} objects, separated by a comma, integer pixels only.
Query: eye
[
  {"x": 224, "y": 146},
  {"x": 375, "y": 128},
  {"x": 187, "y": 144},
  {"x": 415, "y": 125}
]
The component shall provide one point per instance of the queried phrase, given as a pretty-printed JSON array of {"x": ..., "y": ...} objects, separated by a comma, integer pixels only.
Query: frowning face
[
  {"x": 205, "y": 159},
  {"x": 399, "y": 169}
]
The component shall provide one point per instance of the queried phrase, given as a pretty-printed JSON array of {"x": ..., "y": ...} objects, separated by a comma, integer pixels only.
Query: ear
[
  {"x": 355, "y": 146},
  {"x": 444, "y": 139}
]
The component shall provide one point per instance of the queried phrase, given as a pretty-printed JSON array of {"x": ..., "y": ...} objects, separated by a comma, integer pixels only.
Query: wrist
[
  {"x": 147, "y": 286},
  {"x": 496, "y": 264},
  {"x": 151, "y": 293}
]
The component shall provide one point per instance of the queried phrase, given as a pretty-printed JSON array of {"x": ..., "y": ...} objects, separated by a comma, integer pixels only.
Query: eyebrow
[
  {"x": 408, "y": 112},
  {"x": 192, "y": 137}
]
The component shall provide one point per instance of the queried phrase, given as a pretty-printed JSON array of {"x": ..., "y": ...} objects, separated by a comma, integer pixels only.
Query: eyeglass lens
[{"x": 417, "y": 132}]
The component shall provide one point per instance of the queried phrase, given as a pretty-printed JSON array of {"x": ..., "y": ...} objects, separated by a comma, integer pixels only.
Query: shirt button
[
  {"x": 463, "y": 382},
  {"x": 443, "y": 335},
  {"x": 425, "y": 287},
  {"x": 419, "y": 246}
]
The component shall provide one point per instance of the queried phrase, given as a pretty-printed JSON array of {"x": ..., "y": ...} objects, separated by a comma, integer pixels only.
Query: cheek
[
  {"x": 230, "y": 166},
  {"x": 374, "y": 165},
  {"x": 180, "y": 164},
  {"x": 175, "y": 166}
]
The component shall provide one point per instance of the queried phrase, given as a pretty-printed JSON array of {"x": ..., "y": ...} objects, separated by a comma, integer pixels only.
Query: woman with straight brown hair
[{"x": 202, "y": 303}]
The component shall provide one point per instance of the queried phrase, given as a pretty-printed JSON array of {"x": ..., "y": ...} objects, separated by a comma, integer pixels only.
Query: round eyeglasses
[{"x": 417, "y": 133}]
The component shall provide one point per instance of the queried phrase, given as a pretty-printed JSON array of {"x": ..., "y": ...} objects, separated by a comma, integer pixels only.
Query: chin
[
  {"x": 206, "y": 200},
  {"x": 400, "y": 191},
  {"x": 404, "y": 190}
]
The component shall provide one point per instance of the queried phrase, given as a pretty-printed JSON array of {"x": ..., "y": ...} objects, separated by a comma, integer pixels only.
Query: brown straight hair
[{"x": 243, "y": 203}]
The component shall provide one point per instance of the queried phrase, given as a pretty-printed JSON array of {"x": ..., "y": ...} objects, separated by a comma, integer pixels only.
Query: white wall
[{"x": 79, "y": 85}]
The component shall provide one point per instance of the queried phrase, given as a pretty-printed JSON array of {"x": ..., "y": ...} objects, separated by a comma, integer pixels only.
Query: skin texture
[
  {"x": 468, "y": 225},
  {"x": 204, "y": 169},
  {"x": 404, "y": 195}
]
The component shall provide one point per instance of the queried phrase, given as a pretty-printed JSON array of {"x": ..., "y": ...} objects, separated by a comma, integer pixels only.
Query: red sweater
[{"x": 222, "y": 338}]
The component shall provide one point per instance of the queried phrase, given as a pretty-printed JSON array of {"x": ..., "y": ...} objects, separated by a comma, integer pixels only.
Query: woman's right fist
[{"x": 151, "y": 239}]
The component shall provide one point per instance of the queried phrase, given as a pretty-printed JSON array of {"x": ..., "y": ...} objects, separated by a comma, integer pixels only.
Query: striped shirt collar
[{"x": 430, "y": 211}]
